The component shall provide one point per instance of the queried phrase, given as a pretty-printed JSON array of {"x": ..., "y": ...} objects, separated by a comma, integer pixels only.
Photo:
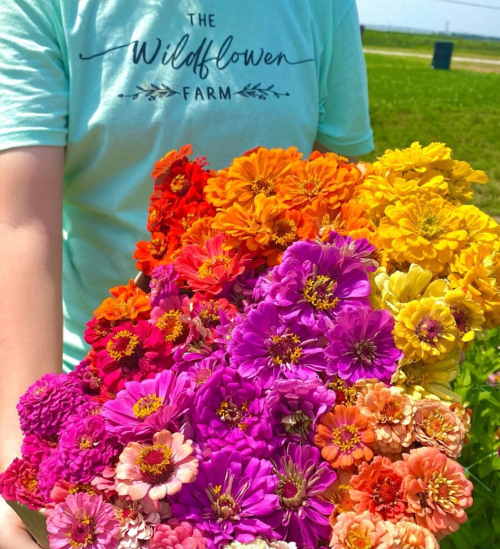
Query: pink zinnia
[
  {"x": 437, "y": 490},
  {"x": 150, "y": 472},
  {"x": 177, "y": 535},
  {"x": 20, "y": 483},
  {"x": 82, "y": 522}
]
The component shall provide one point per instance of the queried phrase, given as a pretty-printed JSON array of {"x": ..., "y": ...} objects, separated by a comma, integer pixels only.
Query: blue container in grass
[{"x": 442, "y": 55}]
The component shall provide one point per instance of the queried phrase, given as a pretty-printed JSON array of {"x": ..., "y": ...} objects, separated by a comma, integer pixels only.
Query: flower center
[
  {"x": 285, "y": 349},
  {"x": 202, "y": 376},
  {"x": 310, "y": 187},
  {"x": 155, "y": 463},
  {"x": 85, "y": 443},
  {"x": 415, "y": 375},
  {"x": 290, "y": 492},
  {"x": 297, "y": 423},
  {"x": 209, "y": 314},
  {"x": 224, "y": 505},
  {"x": 436, "y": 426},
  {"x": 344, "y": 395},
  {"x": 231, "y": 415},
  {"x": 30, "y": 482},
  {"x": 82, "y": 532},
  {"x": 364, "y": 351},
  {"x": 429, "y": 226},
  {"x": 123, "y": 344},
  {"x": 179, "y": 185},
  {"x": 157, "y": 247},
  {"x": 442, "y": 491},
  {"x": 346, "y": 437},
  {"x": 390, "y": 411},
  {"x": 429, "y": 330},
  {"x": 207, "y": 267},
  {"x": 265, "y": 186},
  {"x": 146, "y": 406},
  {"x": 358, "y": 540},
  {"x": 461, "y": 320},
  {"x": 386, "y": 492},
  {"x": 319, "y": 293},
  {"x": 285, "y": 233},
  {"x": 174, "y": 329},
  {"x": 79, "y": 488},
  {"x": 342, "y": 499}
]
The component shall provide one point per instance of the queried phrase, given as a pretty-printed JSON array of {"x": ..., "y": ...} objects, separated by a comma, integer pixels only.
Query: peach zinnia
[
  {"x": 391, "y": 413},
  {"x": 437, "y": 425},
  {"x": 414, "y": 536},
  {"x": 364, "y": 531},
  {"x": 437, "y": 490},
  {"x": 151, "y": 472},
  {"x": 378, "y": 488},
  {"x": 345, "y": 437}
]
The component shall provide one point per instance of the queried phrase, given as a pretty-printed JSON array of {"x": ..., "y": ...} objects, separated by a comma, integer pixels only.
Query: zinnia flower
[
  {"x": 19, "y": 482},
  {"x": 361, "y": 345},
  {"x": 414, "y": 536},
  {"x": 259, "y": 543},
  {"x": 129, "y": 302},
  {"x": 136, "y": 525},
  {"x": 264, "y": 346},
  {"x": 164, "y": 165},
  {"x": 144, "y": 408},
  {"x": 364, "y": 531},
  {"x": 210, "y": 268},
  {"x": 425, "y": 330},
  {"x": 176, "y": 535},
  {"x": 378, "y": 488},
  {"x": 339, "y": 493},
  {"x": 230, "y": 412},
  {"x": 468, "y": 315},
  {"x": 437, "y": 490},
  {"x": 345, "y": 437},
  {"x": 86, "y": 448},
  {"x": 163, "y": 284},
  {"x": 47, "y": 404},
  {"x": 296, "y": 406},
  {"x": 150, "y": 472},
  {"x": 82, "y": 522},
  {"x": 415, "y": 158},
  {"x": 423, "y": 229},
  {"x": 302, "y": 516},
  {"x": 392, "y": 415},
  {"x": 480, "y": 227},
  {"x": 231, "y": 499},
  {"x": 437, "y": 425},
  {"x": 132, "y": 352},
  {"x": 159, "y": 251}
]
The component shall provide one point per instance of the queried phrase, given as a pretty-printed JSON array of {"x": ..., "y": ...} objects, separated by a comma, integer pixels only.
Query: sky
[{"x": 434, "y": 15}]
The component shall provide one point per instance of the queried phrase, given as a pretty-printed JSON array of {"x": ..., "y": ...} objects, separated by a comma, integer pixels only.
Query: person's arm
[{"x": 30, "y": 298}]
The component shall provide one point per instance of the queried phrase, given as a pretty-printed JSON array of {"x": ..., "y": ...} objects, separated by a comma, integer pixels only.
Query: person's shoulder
[{"x": 331, "y": 13}]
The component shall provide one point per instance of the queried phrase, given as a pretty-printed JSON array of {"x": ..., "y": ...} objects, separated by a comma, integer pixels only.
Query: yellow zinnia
[
  {"x": 415, "y": 158},
  {"x": 425, "y": 330},
  {"x": 460, "y": 179},
  {"x": 422, "y": 380},
  {"x": 400, "y": 288},
  {"x": 479, "y": 226},
  {"x": 423, "y": 229},
  {"x": 476, "y": 270}
]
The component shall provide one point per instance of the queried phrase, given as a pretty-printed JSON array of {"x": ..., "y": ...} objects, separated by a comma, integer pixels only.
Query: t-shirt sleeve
[
  {"x": 344, "y": 120},
  {"x": 33, "y": 78}
]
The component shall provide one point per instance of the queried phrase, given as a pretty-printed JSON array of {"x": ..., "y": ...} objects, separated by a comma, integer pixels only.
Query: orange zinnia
[
  {"x": 162, "y": 167},
  {"x": 128, "y": 303},
  {"x": 159, "y": 251},
  {"x": 199, "y": 232},
  {"x": 345, "y": 437}
]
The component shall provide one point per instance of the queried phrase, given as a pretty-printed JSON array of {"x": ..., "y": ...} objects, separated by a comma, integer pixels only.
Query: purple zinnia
[
  {"x": 296, "y": 406},
  {"x": 89, "y": 381},
  {"x": 146, "y": 407},
  {"x": 359, "y": 248},
  {"x": 86, "y": 448},
  {"x": 48, "y": 403},
  {"x": 231, "y": 499},
  {"x": 303, "y": 516},
  {"x": 36, "y": 449},
  {"x": 266, "y": 347},
  {"x": 201, "y": 371},
  {"x": 230, "y": 412},
  {"x": 163, "y": 283},
  {"x": 362, "y": 345},
  {"x": 316, "y": 281}
]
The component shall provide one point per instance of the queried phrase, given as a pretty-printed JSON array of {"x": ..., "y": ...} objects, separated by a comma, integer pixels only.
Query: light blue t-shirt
[{"x": 121, "y": 82}]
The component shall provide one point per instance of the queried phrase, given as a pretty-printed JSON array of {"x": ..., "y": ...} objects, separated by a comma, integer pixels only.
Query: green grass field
[
  {"x": 411, "y": 102},
  {"x": 425, "y": 42}
]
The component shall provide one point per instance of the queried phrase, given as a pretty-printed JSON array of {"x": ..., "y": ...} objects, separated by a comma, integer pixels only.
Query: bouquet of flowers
[{"x": 282, "y": 378}]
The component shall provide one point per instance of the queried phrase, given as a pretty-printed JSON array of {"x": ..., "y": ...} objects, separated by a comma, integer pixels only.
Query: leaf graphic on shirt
[
  {"x": 258, "y": 92},
  {"x": 152, "y": 91}
]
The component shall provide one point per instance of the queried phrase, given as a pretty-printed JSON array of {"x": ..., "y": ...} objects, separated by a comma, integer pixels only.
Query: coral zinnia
[
  {"x": 176, "y": 534},
  {"x": 210, "y": 267},
  {"x": 19, "y": 482},
  {"x": 144, "y": 408},
  {"x": 391, "y": 413},
  {"x": 82, "y": 522},
  {"x": 264, "y": 346},
  {"x": 363, "y": 531},
  {"x": 361, "y": 345},
  {"x": 231, "y": 499},
  {"x": 302, "y": 516},
  {"x": 437, "y": 490},
  {"x": 425, "y": 330},
  {"x": 345, "y": 437},
  {"x": 378, "y": 488},
  {"x": 423, "y": 229},
  {"x": 150, "y": 472}
]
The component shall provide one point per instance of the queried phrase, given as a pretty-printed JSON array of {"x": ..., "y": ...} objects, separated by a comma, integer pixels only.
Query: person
[{"x": 92, "y": 94}]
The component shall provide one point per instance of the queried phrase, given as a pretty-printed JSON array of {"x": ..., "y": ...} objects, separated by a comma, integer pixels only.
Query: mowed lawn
[{"x": 411, "y": 102}]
